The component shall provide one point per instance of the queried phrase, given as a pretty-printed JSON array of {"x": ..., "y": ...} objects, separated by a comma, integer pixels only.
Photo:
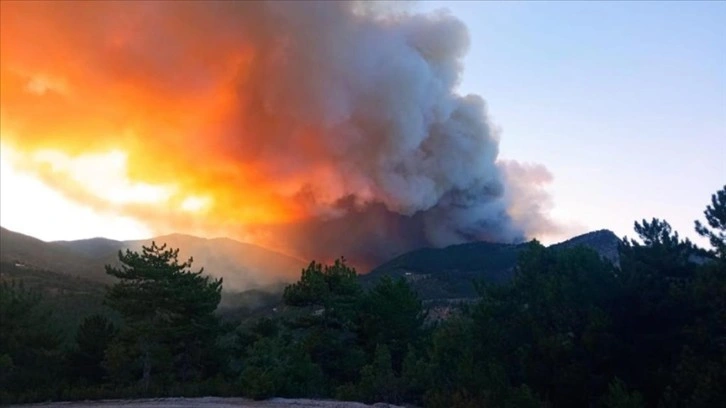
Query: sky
[{"x": 623, "y": 102}]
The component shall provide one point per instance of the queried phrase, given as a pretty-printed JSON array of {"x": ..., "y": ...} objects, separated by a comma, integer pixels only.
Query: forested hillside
[
  {"x": 243, "y": 266},
  {"x": 568, "y": 327},
  {"x": 451, "y": 272}
]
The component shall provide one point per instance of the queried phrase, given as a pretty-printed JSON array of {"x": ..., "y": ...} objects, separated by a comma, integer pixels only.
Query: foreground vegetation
[{"x": 570, "y": 329}]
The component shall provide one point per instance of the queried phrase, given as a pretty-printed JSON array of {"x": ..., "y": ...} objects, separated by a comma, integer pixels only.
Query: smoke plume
[{"x": 319, "y": 128}]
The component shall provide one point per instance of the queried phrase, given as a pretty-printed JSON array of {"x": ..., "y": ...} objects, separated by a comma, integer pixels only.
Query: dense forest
[{"x": 569, "y": 329}]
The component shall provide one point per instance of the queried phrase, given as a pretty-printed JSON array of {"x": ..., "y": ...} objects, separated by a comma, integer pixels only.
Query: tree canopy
[
  {"x": 715, "y": 230},
  {"x": 168, "y": 313}
]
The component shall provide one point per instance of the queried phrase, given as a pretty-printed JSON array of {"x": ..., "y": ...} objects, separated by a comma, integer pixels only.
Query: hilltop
[{"x": 450, "y": 273}]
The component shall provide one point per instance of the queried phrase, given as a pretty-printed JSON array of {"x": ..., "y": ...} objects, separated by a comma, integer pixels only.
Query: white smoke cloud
[{"x": 380, "y": 88}]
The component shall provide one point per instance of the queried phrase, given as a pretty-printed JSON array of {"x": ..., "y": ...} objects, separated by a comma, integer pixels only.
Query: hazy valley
[{"x": 254, "y": 277}]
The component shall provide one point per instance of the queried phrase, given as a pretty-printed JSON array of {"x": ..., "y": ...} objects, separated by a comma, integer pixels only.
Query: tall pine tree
[{"x": 168, "y": 310}]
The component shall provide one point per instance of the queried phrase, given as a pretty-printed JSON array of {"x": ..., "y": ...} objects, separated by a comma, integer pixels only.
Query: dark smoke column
[{"x": 362, "y": 104}]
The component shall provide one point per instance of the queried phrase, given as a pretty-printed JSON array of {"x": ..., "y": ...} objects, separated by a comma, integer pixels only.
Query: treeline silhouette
[{"x": 570, "y": 329}]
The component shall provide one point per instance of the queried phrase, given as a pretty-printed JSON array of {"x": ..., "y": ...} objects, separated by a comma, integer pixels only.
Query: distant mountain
[
  {"x": 242, "y": 266},
  {"x": 449, "y": 273},
  {"x": 436, "y": 273},
  {"x": 93, "y": 247},
  {"x": 444, "y": 273},
  {"x": 604, "y": 242},
  {"x": 32, "y": 253}
]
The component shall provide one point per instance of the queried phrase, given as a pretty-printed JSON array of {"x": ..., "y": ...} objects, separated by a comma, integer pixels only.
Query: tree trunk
[{"x": 146, "y": 364}]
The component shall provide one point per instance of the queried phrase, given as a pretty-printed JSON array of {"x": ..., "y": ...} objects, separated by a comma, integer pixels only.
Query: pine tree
[
  {"x": 92, "y": 339},
  {"x": 716, "y": 219},
  {"x": 30, "y": 346},
  {"x": 328, "y": 299},
  {"x": 168, "y": 312},
  {"x": 391, "y": 315}
]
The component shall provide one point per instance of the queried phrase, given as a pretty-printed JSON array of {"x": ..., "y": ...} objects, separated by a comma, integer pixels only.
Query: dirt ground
[{"x": 208, "y": 402}]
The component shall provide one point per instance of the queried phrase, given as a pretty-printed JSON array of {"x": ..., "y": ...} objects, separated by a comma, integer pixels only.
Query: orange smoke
[
  {"x": 90, "y": 78},
  {"x": 317, "y": 128}
]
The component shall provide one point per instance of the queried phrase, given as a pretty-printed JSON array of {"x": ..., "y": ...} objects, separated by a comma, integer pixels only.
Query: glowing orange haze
[{"x": 70, "y": 85}]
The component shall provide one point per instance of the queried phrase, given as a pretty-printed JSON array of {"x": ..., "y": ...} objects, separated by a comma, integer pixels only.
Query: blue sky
[{"x": 624, "y": 102}]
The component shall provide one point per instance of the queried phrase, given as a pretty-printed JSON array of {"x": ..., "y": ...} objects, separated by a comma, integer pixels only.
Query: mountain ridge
[
  {"x": 28, "y": 251},
  {"x": 602, "y": 241},
  {"x": 450, "y": 272},
  {"x": 242, "y": 265},
  {"x": 436, "y": 273}
]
